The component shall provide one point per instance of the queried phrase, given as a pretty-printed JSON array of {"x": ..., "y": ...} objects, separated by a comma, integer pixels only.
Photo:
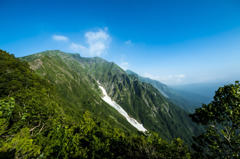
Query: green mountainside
[
  {"x": 33, "y": 123},
  {"x": 76, "y": 88},
  {"x": 76, "y": 81},
  {"x": 187, "y": 101}
]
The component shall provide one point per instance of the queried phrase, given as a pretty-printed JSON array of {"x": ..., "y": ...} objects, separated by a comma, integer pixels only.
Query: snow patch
[{"x": 112, "y": 103}]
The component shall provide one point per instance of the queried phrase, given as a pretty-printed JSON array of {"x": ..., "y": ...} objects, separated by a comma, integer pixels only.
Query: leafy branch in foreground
[{"x": 222, "y": 120}]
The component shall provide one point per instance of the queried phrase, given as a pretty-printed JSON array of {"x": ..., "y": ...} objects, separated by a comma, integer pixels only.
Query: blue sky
[{"x": 175, "y": 42}]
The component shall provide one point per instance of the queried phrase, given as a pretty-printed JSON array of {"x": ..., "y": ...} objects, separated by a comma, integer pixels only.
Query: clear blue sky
[{"x": 173, "y": 41}]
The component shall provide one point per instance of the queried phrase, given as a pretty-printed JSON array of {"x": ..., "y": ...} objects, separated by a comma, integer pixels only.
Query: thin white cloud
[
  {"x": 168, "y": 79},
  {"x": 97, "y": 43},
  {"x": 124, "y": 65},
  {"x": 78, "y": 48},
  {"x": 128, "y": 43},
  {"x": 149, "y": 76},
  {"x": 60, "y": 38}
]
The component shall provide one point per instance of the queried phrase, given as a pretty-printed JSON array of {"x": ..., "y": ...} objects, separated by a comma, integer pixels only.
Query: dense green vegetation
[
  {"x": 77, "y": 90},
  {"x": 222, "y": 120},
  {"x": 28, "y": 108},
  {"x": 33, "y": 124},
  {"x": 37, "y": 121},
  {"x": 76, "y": 79},
  {"x": 142, "y": 101}
]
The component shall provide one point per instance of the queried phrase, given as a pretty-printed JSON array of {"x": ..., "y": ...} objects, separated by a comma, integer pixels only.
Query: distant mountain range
[
  {"x": 154, "y": 105},
  {"x": 186, "y": 100},
  {"x": 205, "y": 89}
]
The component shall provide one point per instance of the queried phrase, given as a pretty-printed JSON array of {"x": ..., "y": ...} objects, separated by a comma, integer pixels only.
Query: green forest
[{"x": 35, "y": 123}]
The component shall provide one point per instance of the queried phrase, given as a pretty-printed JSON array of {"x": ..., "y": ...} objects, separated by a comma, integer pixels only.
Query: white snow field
[{"x": 112, "y": 103}]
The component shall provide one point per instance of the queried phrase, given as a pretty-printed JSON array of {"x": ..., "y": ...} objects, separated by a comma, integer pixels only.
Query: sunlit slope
[
  {"x": 75, "y": 88},
  {"x": 76, "y": 80},
  {"x": 141, "y": 100}
]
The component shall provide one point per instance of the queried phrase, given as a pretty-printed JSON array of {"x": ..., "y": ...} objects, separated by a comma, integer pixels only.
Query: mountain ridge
[
  {"x": 72, "y": 82},
  {"x": 34, "y": 124},
  {"x": 142, "y": 101}
]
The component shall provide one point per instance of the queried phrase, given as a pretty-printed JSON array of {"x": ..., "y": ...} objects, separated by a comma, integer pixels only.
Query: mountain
[
  {"x": 77, "y": 90},
  {"x": 33, "y": 123},
  {"x": 186, "y": 100},
  {"x": 77, "y": 78}
]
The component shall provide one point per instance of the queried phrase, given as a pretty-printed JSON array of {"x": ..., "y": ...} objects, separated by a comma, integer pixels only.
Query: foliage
[
  {"x": 222, "y": 120},
  {"x": 22, "y": 144},
  {"x": 6, "y": 108},
  {"x": 152, "y": 146},
  {"x": 91, "y": 141},
  {"x": 28, "y": 108}
]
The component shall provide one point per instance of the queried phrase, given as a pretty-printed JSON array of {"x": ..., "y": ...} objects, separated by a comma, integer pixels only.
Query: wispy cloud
[
  {"x": 128, "y": 43},
  {"x": 60, "y": 38},
  {"x": 167, "y": 79},
  {"x": 149, "y": 76},
  {"x": 173, "y": 79},
  {"x": 97, "y": 43},
  {"x": 78, "y": 48},
  {"x": 124, "y": 65}
]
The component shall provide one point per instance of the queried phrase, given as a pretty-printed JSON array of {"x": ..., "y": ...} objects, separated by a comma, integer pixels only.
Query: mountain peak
[
  {"x": 52, "y": 51},
  {"x": 130, "y": 72}
]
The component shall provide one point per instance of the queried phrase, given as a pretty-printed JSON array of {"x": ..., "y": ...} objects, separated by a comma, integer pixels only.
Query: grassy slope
[
  {"x": 75, "y": 78},
  {"x": 76, "y": 89},
  {"x": 141, "y": 100}
]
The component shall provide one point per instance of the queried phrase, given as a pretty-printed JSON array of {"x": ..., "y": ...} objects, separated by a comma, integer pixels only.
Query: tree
[{"x": 222, "y": 120}]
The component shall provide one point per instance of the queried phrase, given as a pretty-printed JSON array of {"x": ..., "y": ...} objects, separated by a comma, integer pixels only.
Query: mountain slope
[
  {"x": 187, "y": 101},
  {"x": 77, "y": 90},
  {"x": 33, "y": 124},
  {"x": 141, "y": 100},
  {"x": 76, "y": 79}
]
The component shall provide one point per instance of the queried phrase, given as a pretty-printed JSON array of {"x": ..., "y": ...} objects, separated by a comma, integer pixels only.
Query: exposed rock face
[{"x": 36, "y": 64}]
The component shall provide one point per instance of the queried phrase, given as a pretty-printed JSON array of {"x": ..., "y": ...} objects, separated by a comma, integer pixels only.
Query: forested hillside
[
  {"x": 76, "y": 80},
  {"x": 33, "y": 124},
  {"x": 36, "y": 121},
  {"x": 142, "y": 101},
  {"x": 75, "y": 88}
]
